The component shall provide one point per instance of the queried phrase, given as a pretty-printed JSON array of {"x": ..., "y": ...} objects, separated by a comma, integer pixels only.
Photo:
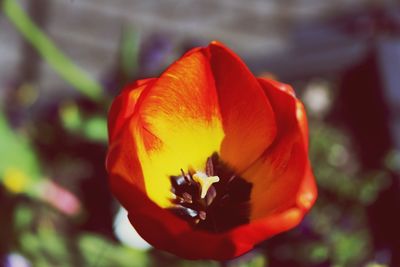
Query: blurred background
[{"x": 63, "y": 61}]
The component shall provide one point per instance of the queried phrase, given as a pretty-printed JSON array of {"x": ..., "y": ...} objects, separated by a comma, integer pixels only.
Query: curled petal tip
[
  {"x": 215, "y": 42},
  {"x": 306, "y": 200}
]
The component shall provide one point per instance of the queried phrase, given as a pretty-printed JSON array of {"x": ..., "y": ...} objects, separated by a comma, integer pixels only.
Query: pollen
[{"x": 205, "y": 182}]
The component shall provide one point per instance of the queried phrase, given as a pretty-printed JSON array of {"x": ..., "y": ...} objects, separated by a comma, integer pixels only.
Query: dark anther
[
  {"x": 184, "y": 212},
  {"x": 211, "y": 195},
  {"x": 231, "y": 178},
  {"x": 187, "y": 197},
  {"x": 186, "y": 177},
  {"x": 225, "y": 205},
  {"x": 202, "y": 215}
]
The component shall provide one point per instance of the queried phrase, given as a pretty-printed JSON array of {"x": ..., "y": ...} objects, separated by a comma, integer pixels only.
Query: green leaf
[
  {"x": 19, "y": 166},
  {"x": 95, "y": 128},
  {"x": 100, "y": 252},
  {"x": 46, "y": 247},
  {"x": 23, "y": 217},
  {"x": 319, "y": 253},
  {"x": 70, "y": 116}
]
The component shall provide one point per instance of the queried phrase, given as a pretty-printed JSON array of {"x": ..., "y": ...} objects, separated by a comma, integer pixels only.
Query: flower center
[{"x": 215, "y": 200}]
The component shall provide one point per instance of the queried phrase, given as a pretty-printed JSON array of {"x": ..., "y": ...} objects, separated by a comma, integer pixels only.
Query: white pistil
[{"x": 205, "y": 182}]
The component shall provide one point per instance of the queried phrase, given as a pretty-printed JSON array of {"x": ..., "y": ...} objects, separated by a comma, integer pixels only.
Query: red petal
[
  {"x": 276, "y": 179},
  {"x": 122, "y": 161},
  {"x": 308, "y": 191},
  {"x": 167, "y": 232},
  {"x": 278, "y": 175},
  {"x": 247, "y": 116},
  {"x": 300, "y": 110},
  {"x": 185, "y": 91},
  {"x": 124, "y": 104},
  {"x": 177, "y": 124}
]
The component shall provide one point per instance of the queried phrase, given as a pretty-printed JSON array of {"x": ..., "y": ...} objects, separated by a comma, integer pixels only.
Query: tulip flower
[{"x": 207, "y": 159}]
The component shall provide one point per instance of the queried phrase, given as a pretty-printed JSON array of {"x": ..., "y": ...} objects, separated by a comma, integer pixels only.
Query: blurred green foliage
[
  {"x": 94, "y": 128},
  {"x": 99, "y": 252},
  {"x": 19, "y": 168}
]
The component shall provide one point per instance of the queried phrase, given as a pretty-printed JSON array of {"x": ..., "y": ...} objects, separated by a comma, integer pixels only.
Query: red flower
[{"x": 209, "y": 160}]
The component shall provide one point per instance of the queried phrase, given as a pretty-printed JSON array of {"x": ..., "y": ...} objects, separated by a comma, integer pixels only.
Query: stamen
[
  {"x": 187, "y": 197},
  {"x": 211, "y": 195},
  {"x": 231, "y": 178},
  {"x": 216, "y": 199},
  {"x": 202, "y": 215},
  {"x": 185, "y": 177},
  {"x": 205, "y": 182}
]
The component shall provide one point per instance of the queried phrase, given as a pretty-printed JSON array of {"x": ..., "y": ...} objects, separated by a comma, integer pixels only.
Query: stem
[{"x": 64, "y": 66}]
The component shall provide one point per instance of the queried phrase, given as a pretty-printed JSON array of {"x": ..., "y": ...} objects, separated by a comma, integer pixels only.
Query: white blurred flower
[
  {"x": 392, "y": 160},
  {"x": 317, "y": 97},
  {"x": 16, "y": 260},
  {"x": 126, "y": 233}
]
